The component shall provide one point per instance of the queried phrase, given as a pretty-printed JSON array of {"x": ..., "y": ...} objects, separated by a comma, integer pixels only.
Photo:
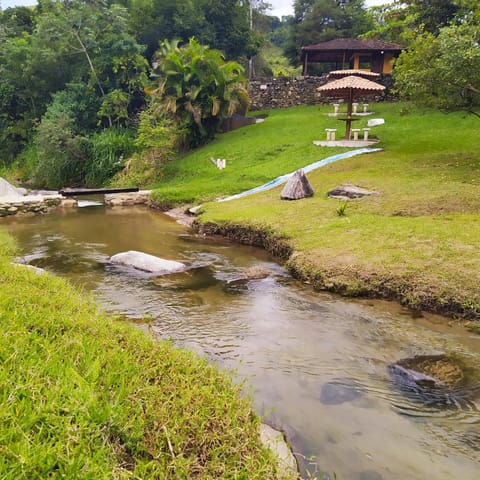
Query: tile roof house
[{"x": 349, "y": 53}]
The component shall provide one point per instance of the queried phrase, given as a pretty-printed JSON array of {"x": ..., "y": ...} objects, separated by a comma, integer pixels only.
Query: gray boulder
[
  {"x": 147, "y": 263},
  {"x": 297, "y": 187},
  {"x": 7, "y": 190}
]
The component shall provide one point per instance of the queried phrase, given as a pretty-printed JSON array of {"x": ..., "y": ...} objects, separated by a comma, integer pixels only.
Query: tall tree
[
  {"x": 443, "y": 71},
  {"x": 318, "y": 21},
  {"x": 93, "y": 36},
  {"x": 221, "y": 24},
  {"x": 398, "y": 21}
]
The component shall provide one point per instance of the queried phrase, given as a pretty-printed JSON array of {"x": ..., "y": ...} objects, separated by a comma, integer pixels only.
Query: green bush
[
  {"x": 109, "y": 150},
  {"x": 158, "y": 140},
  {"x": 61, "y": 142}
]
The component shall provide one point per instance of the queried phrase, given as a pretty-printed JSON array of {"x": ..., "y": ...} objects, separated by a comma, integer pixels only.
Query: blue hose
[{"x": 283, "y": 178}]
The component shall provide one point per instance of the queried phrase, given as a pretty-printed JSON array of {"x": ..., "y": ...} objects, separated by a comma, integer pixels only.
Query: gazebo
[
  {"x": 349, "y": 88},
  {"x": 350, "y": 53}
]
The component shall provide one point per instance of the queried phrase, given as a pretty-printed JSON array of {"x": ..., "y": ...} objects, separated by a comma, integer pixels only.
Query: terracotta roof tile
[{"x": 353, "y": 44}]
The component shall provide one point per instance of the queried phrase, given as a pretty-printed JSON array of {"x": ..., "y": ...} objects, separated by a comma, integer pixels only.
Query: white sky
[
  {"x": 279, "y": 7},
  {"x": 16, "y": 3},
  {"x": 285, "y": 7}
]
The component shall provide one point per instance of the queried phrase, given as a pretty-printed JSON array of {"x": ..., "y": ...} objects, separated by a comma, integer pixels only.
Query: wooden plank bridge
[{"x": 73, "y": 192}]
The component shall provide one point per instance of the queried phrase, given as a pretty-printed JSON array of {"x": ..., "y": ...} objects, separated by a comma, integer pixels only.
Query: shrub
[{"x": 109, "y": 150}]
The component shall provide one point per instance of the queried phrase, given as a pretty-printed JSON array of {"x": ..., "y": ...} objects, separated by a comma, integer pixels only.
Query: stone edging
[{"x": 33, "y": 204}]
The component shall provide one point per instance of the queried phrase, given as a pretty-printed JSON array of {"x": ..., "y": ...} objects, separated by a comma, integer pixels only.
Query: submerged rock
[
  {"x": 340, "y": 391},
  {"x": 37, "y": 270},
  {"x": 200, "y": 278},
  {"x": 427, "y": 371},
  {"x": 147, "y": 263},
  {"x": 256, "y": 272}
]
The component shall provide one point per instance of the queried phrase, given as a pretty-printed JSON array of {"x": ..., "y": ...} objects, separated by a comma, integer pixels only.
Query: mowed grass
[
  {"x": 254, "y": 155},
  {"x": 83, "y": 396},
  {"x": 418, "y": 240}
]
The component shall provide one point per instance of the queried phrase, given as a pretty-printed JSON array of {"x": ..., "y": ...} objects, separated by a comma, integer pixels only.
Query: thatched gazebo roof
[
  {"x": 357, "y": 73},
  {"x": 351, "y": 86}
]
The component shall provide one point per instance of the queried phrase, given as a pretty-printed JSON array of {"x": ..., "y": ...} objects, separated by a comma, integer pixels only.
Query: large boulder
[
  {"x": 7, "y": 190},
  {"x": 147, "y": 263},
  {"x": 297, "y": 187}
]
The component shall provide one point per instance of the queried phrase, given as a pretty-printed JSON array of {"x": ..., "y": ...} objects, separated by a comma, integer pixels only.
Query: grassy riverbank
[
  {"x": 84, "y": 396},
  {"x": 416, "y": 241}
]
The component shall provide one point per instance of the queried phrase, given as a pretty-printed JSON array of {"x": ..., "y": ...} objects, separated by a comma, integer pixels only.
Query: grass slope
[
  {"x": 85, "y": 397},
  {"x": 418, "y": 240}
]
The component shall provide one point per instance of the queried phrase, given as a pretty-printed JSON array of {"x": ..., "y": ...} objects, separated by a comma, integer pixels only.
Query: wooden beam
[{"x": 73, "y": 192}]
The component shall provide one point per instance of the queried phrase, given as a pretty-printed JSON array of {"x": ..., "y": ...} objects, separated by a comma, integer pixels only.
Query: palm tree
[{"x": 198, "y": 87}]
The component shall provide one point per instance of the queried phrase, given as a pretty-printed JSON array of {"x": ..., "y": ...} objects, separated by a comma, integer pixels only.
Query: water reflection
[{"x": 317, "y": 365}]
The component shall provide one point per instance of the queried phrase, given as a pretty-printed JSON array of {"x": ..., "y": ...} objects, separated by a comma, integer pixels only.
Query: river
[{"x": 315, "y": 364}]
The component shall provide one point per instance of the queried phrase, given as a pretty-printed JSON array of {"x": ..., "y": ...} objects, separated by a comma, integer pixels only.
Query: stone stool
[
  {"x": 365, "y": 107},
  {"x": 365, "y": 133},
  {"x": 331, "y": 134},
  {"x": 355, "y": 133},
  {"x": 336, "y": 106},
  {"x": 354, "y": 107}
]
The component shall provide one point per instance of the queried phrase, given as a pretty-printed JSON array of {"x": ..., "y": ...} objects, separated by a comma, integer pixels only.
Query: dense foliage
[
  {"x": 318, "y": 21},
  {"x": 74, "y": 72},
  {"x": 441, "y": 67},
  {"x": 198, "y": 88}
]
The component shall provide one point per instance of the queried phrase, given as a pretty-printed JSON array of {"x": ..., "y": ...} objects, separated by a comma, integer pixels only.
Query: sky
[
  {"x": 279, "y": 7},
  {"x": 285, "y": 7}
]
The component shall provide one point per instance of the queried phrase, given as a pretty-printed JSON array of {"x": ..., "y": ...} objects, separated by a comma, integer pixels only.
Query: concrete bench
[
  {"x": 355, "y": 132},
  {"x": 331, "y": 132}
]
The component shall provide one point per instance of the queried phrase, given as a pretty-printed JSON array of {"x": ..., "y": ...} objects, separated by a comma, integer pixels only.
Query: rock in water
[
  {"x": 7, "y": 190},
  {"x": 427, "y": 371},
  {"x": 297, "y": 187},
  {"x": 147, "y": 263},
  {"x": 340, "y": 390}
]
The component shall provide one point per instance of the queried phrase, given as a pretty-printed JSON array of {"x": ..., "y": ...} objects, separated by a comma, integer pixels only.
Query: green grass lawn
[
  {"x": 418, "y": 240},
  {"x": 85, "y": 397}
]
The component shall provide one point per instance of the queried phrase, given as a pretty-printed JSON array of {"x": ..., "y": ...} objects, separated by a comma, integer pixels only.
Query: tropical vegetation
[
  {"x": 198, "y": 88},
  {"x": 73, "y": 74}
]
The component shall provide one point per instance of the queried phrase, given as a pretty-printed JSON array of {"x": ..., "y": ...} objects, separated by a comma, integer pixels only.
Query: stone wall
[
  {"x": 32, "y": 204},
  {"x": 284, "y": 92}
]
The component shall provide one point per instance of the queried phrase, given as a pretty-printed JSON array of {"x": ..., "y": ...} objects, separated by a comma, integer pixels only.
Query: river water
[{"x": 316, "y": 364}]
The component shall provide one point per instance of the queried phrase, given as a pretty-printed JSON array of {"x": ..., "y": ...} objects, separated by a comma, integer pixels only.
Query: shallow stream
[{"x": 316, "y": 364}]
